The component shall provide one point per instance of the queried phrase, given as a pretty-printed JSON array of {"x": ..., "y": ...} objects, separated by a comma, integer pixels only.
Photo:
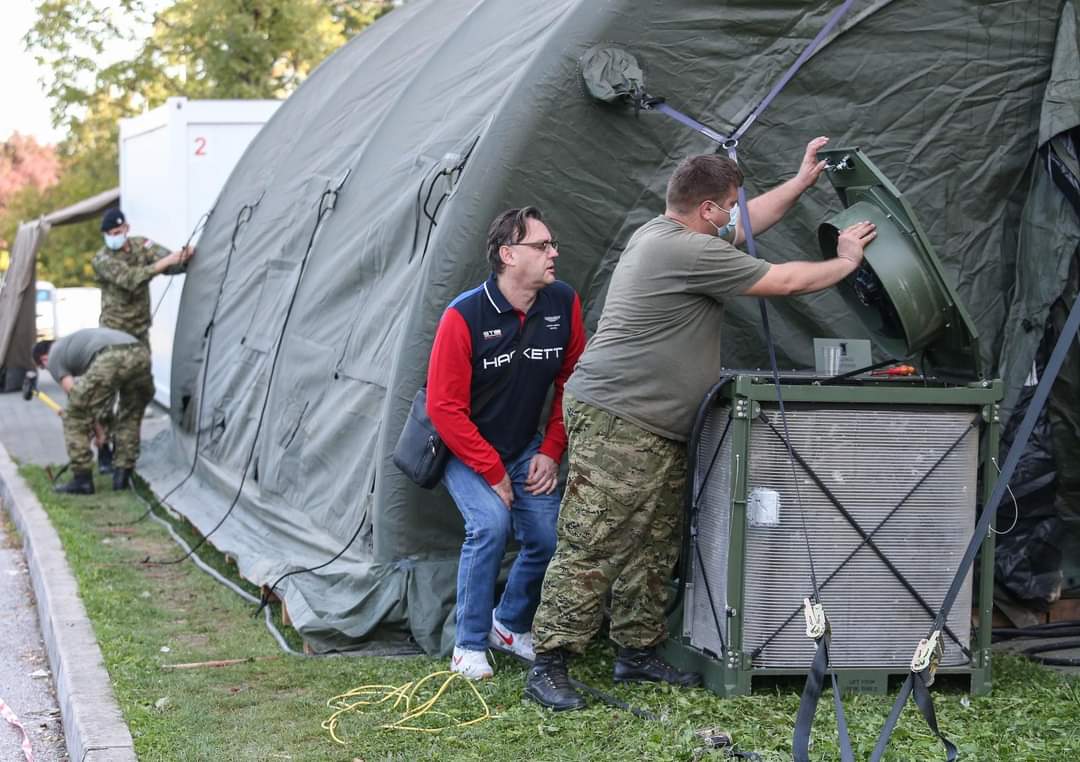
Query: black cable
[
  {"x": 264, "y": 599},
  {"x": 857, "y": 372},
  {"x": 448, "y": 173},
  {"x": 216, "y": 575},
  {"x": 1033, "y": 653},
  {"x": 321, "y": 213},
  {"x": 241, "y": 219},
  {"x": 1043, "y": 630},
  {"x": 198, "y": 227}
]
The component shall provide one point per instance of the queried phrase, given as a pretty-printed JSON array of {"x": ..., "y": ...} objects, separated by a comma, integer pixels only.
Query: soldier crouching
[{"x": 92, "y": 365}]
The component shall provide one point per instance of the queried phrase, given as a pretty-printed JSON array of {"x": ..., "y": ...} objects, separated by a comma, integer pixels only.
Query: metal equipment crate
[
  {"x": 902, "y": 460},
  {"x": 882, "y": 486}
]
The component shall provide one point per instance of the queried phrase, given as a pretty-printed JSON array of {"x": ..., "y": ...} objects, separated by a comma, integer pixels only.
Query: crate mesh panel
[
  {"x": 869, "y": 457},
  {"x": 714, "y": 534}
]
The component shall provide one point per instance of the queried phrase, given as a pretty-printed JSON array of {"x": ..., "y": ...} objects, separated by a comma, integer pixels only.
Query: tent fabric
[
  {"x": 17, "y": 298},
  {"x": 1047, "y": 278},
  {"x": 307, "y": 319},
  {"x": 1049, "y": 232},
  {"x": 87, "y": 209}
]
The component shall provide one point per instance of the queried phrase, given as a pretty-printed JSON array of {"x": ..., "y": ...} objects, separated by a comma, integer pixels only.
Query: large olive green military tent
[{"x": 360, "y": 210}]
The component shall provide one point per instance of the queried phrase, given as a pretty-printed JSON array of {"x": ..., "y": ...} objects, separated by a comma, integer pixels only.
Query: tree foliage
[
  {"x": 24, "y": 162},
  {"x": 111, "y": 59}
]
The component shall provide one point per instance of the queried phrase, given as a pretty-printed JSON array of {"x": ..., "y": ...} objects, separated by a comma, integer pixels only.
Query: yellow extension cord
[{"x": 372, "y": 695}]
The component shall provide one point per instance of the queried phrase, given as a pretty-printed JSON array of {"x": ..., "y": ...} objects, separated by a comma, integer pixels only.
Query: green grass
[{"x": 272, "y": 709}]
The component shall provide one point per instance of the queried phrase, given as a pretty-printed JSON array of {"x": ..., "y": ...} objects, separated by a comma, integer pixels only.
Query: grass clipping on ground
[{"x": 148, "y": 618}]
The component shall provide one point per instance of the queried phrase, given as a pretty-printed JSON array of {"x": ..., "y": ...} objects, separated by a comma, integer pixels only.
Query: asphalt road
[{"x": 26, "y": 684}]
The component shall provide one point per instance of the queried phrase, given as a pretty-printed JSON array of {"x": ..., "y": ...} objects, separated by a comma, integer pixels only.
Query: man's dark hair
[
  {"x": 508, "y": 227},
  {"x": 40, "y": 350},
  {"x": 706, "y": 177}
]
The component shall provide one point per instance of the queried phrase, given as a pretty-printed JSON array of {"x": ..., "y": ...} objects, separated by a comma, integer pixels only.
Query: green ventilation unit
[{"x": 901, "y": 291}]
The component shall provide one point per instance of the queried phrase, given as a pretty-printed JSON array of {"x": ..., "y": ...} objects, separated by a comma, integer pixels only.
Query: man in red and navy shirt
[{"x": 502, "y": 474}]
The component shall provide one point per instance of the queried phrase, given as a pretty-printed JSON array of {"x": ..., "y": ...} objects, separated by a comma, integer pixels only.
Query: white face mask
[
  {"x": 727, "y": 232},
  {"x": 115, "y": 242}
]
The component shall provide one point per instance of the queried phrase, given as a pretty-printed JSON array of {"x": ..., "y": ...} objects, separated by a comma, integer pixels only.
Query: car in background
[{"x": 45, "y": 311}]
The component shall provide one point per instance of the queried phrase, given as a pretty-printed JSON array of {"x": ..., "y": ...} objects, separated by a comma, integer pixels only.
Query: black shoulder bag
[{"x": 420, "y": 453}]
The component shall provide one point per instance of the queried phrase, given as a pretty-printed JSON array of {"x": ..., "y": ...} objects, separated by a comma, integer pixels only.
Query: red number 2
[{"x": 200, "y": 146}]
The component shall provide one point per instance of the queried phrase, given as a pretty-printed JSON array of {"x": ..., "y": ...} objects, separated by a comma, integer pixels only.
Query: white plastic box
[{"x": 174, "y": 161}]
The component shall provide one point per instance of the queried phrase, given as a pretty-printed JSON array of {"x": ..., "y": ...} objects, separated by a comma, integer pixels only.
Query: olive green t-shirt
[
  {"x": 656, "y": 351},
  {"x": 72, "y": 355}
]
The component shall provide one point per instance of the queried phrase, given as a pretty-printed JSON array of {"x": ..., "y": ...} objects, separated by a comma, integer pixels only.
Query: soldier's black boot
[
  {"x": 643, "y": 665},
  {"x": 82, "y": 483},
  {"x": 105, "y": 458},
  {"x": 121, "y": 478},
  {"x": 548, "y": 683}
]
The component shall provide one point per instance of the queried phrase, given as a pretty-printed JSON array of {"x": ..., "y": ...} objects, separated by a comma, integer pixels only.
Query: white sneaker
[
  {"x": 520, "y": 643},
  {"x": 472, "y": 664}
]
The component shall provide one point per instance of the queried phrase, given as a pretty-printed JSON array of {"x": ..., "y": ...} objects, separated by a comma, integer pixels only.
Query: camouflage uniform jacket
[{"x": 124, "y": 277}]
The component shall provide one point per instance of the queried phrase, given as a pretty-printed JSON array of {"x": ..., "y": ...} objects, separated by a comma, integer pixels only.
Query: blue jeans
[{"x": 488, "y": 524}]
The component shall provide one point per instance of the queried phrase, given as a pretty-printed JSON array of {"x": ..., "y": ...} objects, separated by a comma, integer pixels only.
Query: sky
[
  {"x": 26, "y": 109},
  {"x": 25, "y": 105}
]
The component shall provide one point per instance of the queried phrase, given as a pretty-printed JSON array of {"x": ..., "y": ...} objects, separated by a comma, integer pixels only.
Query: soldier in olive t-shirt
[
  {"x": 656, "y": 351},
  {"x": 629, "y": 407},
  {"x": 93, "y": 366}
]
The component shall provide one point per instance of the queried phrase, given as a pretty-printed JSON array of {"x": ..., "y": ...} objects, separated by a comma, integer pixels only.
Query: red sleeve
[
  {"x": 554, "y": 444},
  {"x": 449, "y": 398}
]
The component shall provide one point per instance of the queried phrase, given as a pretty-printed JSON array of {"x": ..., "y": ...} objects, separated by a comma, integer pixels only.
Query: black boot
[
  {"x": 82, "y": 483},
  {"x": 643, "y": 665},
  {"x": 548, "y": 683},
  {"x": 105, "y": 458},
  {"x": 121, "y": 478}
]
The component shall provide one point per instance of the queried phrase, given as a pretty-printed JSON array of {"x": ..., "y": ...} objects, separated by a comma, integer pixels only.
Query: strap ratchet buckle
[
  {"x": 816, "y": 623},
  {"x": 928, "y": 656}
]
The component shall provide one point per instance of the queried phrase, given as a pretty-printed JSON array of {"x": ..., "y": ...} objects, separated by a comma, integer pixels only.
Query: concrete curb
[{"x": 93, "y": 725}]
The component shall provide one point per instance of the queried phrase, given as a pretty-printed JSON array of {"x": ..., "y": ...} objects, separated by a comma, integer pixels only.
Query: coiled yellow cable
[{"x": 373, "y": 695}]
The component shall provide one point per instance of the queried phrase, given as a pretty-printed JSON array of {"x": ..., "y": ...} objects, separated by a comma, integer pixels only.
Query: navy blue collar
[{"x": 495, "y": 296}]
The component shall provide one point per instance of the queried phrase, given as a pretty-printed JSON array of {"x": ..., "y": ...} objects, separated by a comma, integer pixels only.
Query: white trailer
[
  {"x": 174, "y": 160},
  {"x": 76, "y": 308}
]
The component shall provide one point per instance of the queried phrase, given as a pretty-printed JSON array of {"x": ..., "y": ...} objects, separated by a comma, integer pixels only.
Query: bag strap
[{"x": 481, "y": 400}]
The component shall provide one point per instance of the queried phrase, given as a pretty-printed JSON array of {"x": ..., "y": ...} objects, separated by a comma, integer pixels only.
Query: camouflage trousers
[
  {"x": 123, "y": 371},
  {"x": 107, "y": 416},
  {"x": 620, "y": 526}
]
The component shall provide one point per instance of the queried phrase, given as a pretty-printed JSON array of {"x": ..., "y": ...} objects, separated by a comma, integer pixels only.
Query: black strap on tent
[
  {"x": 919, "y": 678},
  {"x": 327, "y": 202}
]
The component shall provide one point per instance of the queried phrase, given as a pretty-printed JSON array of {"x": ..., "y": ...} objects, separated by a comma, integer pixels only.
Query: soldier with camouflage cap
[
  {"x": 124, "y": 267},
  {"x": 94, "y": 365},
  {"x": 630, "y": 405}
]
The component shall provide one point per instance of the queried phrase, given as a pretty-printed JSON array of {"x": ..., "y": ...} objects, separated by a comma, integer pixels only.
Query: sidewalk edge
[{"x": 93, "y": 723}]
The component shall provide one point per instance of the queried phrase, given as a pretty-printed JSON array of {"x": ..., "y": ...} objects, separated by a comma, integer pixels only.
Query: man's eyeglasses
[{"x": 538, "y": 245}]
